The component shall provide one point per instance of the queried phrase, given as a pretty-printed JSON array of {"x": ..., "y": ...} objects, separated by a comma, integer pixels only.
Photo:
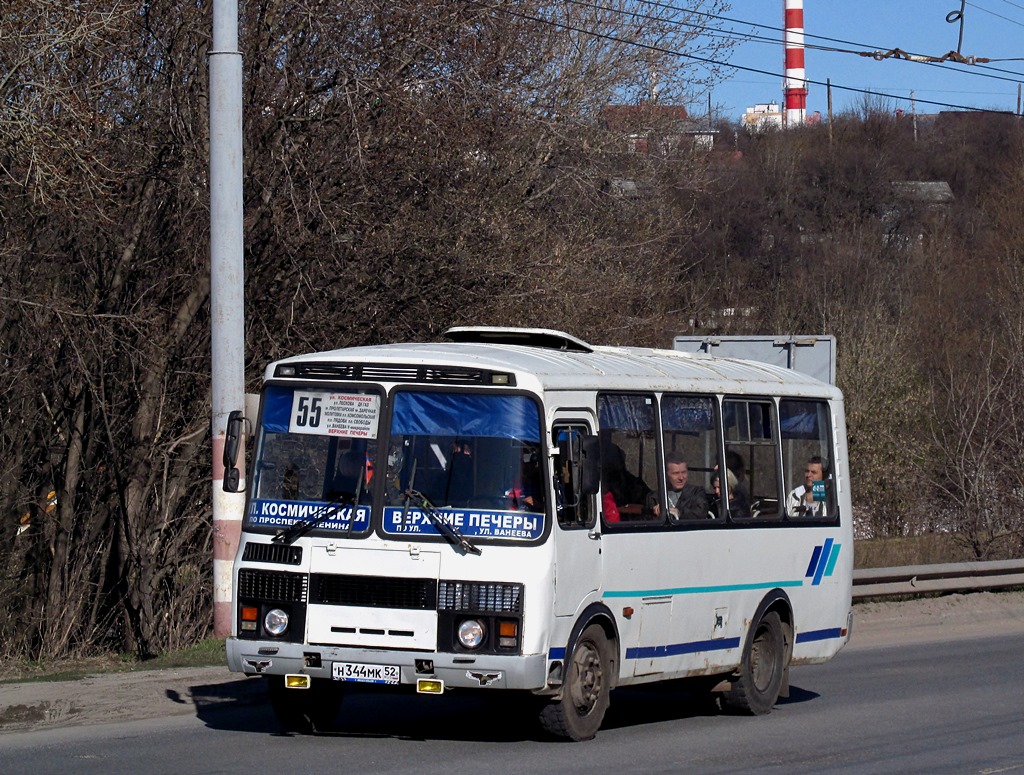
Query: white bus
[{"x": 508, "y": 511}]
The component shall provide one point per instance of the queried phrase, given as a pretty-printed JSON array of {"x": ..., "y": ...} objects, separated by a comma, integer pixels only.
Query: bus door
[{"x": 576, "y": 534}]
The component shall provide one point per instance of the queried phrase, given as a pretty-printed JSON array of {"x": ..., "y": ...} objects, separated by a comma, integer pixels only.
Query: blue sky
[{"x": 991, "y": 28}]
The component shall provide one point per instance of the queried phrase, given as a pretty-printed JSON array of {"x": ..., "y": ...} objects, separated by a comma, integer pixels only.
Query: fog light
[
  {"x": 275, "y": 622},
  {"x": 295, "y": 681},
  {"x": 471, "y": 633},
  {"x": 429, "y": 686}
]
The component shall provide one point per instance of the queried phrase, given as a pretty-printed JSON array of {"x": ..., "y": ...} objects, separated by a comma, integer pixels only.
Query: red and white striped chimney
[{"x": 794, "y": 85}]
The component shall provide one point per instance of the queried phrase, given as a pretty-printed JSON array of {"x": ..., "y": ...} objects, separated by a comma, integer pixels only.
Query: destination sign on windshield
[{"x": 346, "y": 415}]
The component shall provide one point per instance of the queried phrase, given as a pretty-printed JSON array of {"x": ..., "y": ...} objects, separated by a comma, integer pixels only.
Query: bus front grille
[
  {"x": 373, "y": 591},
  {"x": 502, "y": 598},
  {"x": 274, "y": 585},
  {"x": 281, "y": 554}
]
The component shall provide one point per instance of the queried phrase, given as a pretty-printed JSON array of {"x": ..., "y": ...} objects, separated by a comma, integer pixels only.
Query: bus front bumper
[{"x": 464, "y": 671}]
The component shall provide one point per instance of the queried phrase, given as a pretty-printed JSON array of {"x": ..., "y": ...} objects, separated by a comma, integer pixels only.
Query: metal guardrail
[{"x": 951, "y": 577}]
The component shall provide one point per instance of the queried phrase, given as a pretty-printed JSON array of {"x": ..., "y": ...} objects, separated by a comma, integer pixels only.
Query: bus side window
[
  {"x": 691, "y": 442},
  {"x": 807, "y": 459},
  {"x": 751, "y": 459},
  {"x": 575, "y": 475},
  {"x": 629, "y": 457}
]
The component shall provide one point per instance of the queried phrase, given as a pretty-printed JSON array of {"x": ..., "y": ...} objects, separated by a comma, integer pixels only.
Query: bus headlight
[
  {"x": 275, "y": 622},
  {"x": 471, "y": 633}
]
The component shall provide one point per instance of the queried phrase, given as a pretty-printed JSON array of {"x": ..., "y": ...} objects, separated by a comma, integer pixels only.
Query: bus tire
[
  {"x": 304, "y": 711},
  {"x": 756, "y": 685},
  {"x": 586, "y": 689}
]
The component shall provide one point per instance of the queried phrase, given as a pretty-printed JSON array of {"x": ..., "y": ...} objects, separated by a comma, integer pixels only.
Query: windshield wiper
[
  {"x": 450, "y": 532},
  {"x": 298, "y": 529}
]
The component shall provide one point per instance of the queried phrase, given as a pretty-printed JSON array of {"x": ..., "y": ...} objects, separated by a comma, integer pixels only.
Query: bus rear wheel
[
  {"x": 756, "y": 686},
  {"x": 304, "y": 711},
  {"x": 586, "y": 688}
]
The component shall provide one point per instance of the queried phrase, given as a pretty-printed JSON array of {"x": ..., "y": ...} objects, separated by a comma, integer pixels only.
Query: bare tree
[{"x": 408, "y": 166}]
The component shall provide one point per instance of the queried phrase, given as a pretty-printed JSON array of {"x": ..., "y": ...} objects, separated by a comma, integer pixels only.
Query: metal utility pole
[
  {"x": 913, "y": 113},
  {"x": 828, "y": 87},
  {"x": 227, "y": 275}
]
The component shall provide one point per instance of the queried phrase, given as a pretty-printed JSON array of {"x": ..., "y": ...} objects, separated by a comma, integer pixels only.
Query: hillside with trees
[{"x": 411, "y": 166}]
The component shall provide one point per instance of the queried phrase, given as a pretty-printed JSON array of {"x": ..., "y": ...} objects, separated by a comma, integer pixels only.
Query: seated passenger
[
  {"x": 685, "y": 501},
  {"x": 739, "y": 486},
  {"x": 717, "y": 509},
  {"x": 349, "y": 477},
  {"x": 629, "y": 493},
  {"x": 459, "y": 487},
  {"x": 800, "y": 502},
  {"x": 525, "y": 494}
]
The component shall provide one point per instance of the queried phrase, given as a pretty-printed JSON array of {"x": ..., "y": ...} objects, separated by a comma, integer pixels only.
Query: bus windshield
[
  {"x": 316, "y": 451},
  {"x": 475, "y": 457}
]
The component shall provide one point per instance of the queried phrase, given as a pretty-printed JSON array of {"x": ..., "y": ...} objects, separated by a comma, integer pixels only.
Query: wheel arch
[
  {"x": 598, "y": 613},
  {"x": 778, "y": 601}
]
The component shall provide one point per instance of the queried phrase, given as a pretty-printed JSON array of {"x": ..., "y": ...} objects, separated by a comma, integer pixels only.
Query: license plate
[{"x": 368, "y": 674}]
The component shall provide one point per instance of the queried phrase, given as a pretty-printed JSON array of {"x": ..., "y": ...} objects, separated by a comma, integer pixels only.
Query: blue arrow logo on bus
[{"x": 823, "y": 561}]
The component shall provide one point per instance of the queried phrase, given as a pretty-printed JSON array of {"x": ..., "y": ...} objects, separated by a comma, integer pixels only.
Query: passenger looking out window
[
  {"x": 801, "y": 501},
  {"x": 685, "y": 501}
]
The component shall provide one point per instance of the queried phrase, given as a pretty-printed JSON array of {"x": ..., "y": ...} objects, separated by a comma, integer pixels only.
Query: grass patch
[
  {"x": 207, "y": 653},
  {"x": 930, "y": 549}
]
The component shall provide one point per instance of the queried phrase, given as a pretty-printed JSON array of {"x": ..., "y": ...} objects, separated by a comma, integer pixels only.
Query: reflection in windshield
[
  {"x": 466, "y": 451},
  {"x": 471, "y": 472},
  {"x": 295, "y": 467}
]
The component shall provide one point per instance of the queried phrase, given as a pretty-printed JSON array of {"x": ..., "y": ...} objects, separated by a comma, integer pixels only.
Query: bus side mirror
[
  {"x": 232, "y": 445},
  {"x": 590, "y": 465},
  {"x": 581, "y": 464}
]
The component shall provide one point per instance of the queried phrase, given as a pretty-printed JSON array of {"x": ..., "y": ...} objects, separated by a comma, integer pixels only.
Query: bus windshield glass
[
  {"x": 314, "y": 459},
  {"x": 476, "y": 458}
]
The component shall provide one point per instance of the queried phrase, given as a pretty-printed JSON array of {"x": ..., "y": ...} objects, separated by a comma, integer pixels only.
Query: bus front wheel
[
  {"x": 756, "y": 686},
  {"x": 586, "y": 687}
]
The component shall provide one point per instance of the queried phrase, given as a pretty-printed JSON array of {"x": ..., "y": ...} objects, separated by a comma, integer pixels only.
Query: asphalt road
[{"x": 939, "y": 706}]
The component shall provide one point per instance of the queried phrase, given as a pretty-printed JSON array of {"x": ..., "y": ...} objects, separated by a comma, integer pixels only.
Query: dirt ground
[{"x": 143, "y": 694}]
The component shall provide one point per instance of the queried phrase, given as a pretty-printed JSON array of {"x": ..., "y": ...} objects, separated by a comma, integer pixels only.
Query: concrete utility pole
[{"x": 227, "y": 276}]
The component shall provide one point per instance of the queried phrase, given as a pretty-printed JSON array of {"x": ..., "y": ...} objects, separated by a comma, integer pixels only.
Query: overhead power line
[
  {"x": 710, "y": 61},
  {"x": 1015, "y": 5},
  {"x": 860, "y": 49},
  {"x": 997, "y": 15}
]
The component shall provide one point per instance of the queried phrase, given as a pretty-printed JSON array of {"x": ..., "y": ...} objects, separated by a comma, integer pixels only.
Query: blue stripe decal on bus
[
  {"x": 674, "y": 649},
  {"x": 832, "y": 560},
  {"x": 815, "y": 556},
  {"x": 701, "y": 590},
  {"x": 807, "y": 637},
  {"x": 826, "y": 556}
]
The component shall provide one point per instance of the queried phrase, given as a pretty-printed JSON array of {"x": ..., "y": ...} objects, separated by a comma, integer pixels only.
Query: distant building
[
  {"x": 763, "y": 116},
  {"x": 928, "y": 192},
  {"x": 652, "y": 128}
]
